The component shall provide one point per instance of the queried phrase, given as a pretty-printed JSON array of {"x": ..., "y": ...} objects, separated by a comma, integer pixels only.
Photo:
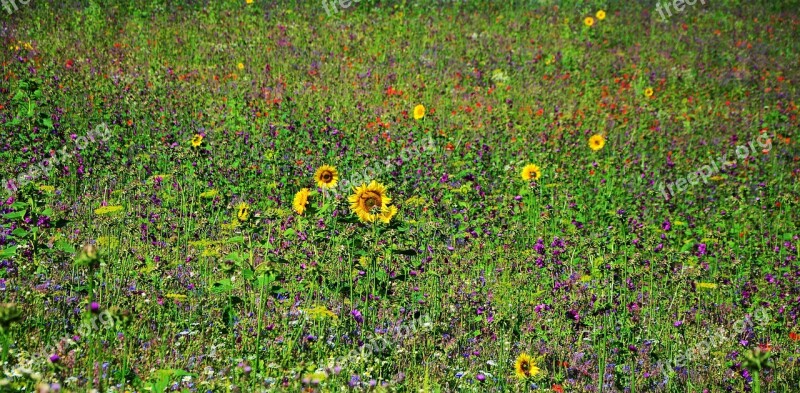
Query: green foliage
[{"x": 575, "y": 268}]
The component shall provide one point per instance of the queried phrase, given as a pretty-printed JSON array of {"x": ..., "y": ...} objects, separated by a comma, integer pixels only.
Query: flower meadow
[{"x": 399, "y": 196}]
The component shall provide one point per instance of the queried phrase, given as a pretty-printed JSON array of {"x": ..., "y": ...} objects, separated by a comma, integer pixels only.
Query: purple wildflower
[{"x": 357, "y": 316}]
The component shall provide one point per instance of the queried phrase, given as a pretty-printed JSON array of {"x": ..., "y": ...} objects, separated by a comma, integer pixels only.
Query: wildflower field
[{"x": 399, "y": 196}]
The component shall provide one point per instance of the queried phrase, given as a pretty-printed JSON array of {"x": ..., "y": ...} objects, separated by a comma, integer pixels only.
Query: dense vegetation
[{"x": 568, "y": 196}]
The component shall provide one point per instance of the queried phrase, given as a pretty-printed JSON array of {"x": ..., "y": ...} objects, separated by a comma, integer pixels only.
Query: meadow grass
[{"x": 169, "y": 254}]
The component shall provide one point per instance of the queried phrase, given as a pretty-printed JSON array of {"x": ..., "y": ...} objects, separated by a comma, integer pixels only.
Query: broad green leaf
[
  {"x": 8, "y": 252},
  {"x": 222, "y": 286},
  {"x": 64, "y": 246},
  {"x": 236, "y": 239},
  {"x": 16, "y": 214}
]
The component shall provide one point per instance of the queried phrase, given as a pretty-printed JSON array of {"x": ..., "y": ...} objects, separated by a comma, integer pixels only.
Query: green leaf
[
  {"x": 222, "y": 286},
  {"x": 16, "y": 214},
  {"x": 264, "y": 281},
  {"x": 19, "y": 232},
  {"x": 164, "y": 376},
  {"x": 64, "y": 246},
  {"x": 235, "y": 257},
  {"x": 20, "y": 95},
  {"x": 8, "y": 252},
  {"x": 236, "y": 239}
]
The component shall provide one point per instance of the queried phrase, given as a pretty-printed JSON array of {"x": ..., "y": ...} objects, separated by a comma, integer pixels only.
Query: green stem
[
  {"x": 756, "y": 383},
  {"x": 6, "y": 345}
]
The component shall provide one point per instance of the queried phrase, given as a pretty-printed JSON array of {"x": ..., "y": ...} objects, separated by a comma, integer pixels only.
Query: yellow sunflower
[
  {"x": 419, "y": 112},
  {"x": 648, "y": 92},
  {"x": 242, "y": 211},
  {"x": 600, "y": 15},
  {"x": 531, "y": 171},
  {"x": 525, "y": 366},
  {"x": 326, "y": 176},
  {"x": 197, "y": 140},
  {"x": 387, "y": 213},
  {"x": 300, "y": 201},
  {"x": 240, "y": 66},
  {"x": 588, "y": 21},
  {"x": 596, "y": 142},
  {"x": 369, "y": 201}
]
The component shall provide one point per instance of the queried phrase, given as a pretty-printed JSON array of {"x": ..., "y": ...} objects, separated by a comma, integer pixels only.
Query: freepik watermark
[
  {"x": 379, "y": 343},
  {"x": 50, "y": 353},
  {"x": 715, "y": 339},
  {"x": 101, "y": 132},
  {"x": 721, "y": 163},
  {"x": 379, "y": 168},
  {"x": 679, "y": 6},
  {"x": 8, "y": 4},
  {"x": 332, "y": 3}
]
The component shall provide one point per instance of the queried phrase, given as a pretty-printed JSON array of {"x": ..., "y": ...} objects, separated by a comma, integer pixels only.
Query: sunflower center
[
  {"x": 326, "y": 177},
  {"x": 525, "y": 366},
  {"x": 371, "y": 199}
]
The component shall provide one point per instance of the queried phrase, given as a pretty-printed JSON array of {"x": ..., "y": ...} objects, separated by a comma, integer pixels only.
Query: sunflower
[
  {"x": 600, "y": 15},
  {"x": 326, "y": 176},
  {"x": 240, "y": 66},
  {"x": 370, "y": 201},
  {"x": 300, "y": 201},
  {"x": 596, "y": 142},
  {"x": 419, "y": 112},
  {"x": 387, "y": 213},
  {"x": 197, "y": 140},
  {"x": 531, "y": 171},
  {"x": 242, "y": 211},
  {"x": 648, "y": 92},
  {"x": 525, "y": 366},
  {"x": 588, "y": 21}
]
